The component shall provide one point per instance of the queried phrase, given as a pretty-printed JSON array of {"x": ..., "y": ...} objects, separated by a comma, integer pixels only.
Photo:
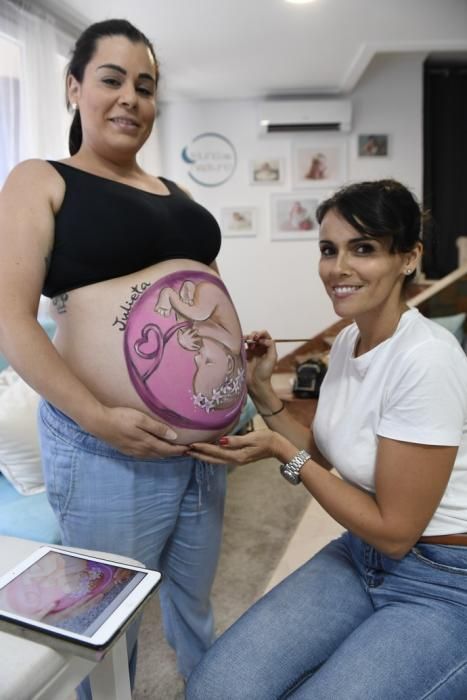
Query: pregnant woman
[{"x": 148, "y": 353}]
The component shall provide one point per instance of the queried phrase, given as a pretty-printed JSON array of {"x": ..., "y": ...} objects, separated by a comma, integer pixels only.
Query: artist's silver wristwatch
[{"x": 291, "y": 470}]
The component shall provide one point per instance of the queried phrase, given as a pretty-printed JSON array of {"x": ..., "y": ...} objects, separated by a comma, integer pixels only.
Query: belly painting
[{"x": 184, "y": 352}]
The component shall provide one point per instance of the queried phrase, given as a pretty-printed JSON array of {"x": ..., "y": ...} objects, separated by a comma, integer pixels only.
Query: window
[
  {"x": 33, "y": 117},
  {"x": 9, "y": 105}
]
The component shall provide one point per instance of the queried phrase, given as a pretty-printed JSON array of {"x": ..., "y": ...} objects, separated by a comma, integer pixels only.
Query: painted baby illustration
[
  {"x": 184, "y": 351},
  {"x": 214, "y": 335},
  {"x": 57, "y": 588}
]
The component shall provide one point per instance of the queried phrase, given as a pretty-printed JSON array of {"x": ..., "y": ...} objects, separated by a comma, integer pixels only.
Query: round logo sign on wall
[{"x": 211, "y": 158}]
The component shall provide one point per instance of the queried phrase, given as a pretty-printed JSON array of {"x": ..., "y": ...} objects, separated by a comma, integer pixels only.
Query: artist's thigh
[
  {"x": 287, "y": 634},
  {"x": 414, "y": 646}
]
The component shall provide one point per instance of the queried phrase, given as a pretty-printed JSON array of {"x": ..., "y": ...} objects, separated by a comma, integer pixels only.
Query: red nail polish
[{"x": 223, "y": 441}]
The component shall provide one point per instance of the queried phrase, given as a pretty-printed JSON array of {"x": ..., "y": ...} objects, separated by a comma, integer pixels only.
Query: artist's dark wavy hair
[
  {"x": 83, "y": 52},
  {"x": 380, "y": 209}
]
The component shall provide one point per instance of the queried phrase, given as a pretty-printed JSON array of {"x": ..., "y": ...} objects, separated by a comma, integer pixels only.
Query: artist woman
[{"x": 381, "y": 612}]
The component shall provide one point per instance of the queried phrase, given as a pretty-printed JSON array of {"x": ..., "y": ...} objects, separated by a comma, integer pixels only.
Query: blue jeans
[
  {"x": 351, "y": 624},
  {"x": 166, "y": 513}
]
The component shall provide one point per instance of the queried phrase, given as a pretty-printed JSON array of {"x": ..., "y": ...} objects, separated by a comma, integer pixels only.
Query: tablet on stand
[{"x": 72, "y": 602}]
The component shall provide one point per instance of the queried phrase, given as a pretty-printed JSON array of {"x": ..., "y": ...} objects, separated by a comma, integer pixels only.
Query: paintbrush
[{"x": 282, "y": 340}]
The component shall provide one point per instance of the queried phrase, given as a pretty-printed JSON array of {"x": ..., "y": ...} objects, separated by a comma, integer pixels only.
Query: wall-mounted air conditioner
[{"x": 278, "y": 116}]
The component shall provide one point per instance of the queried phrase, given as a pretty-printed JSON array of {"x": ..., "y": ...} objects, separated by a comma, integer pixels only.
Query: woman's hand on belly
[{"x": 136, "y": 434}]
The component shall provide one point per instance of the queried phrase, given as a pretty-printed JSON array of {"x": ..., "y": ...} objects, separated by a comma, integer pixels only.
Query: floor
[{"x": 316, "y": 527}]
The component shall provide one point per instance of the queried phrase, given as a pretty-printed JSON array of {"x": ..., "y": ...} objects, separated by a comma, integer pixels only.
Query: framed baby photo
[
  {"x": 318, "y": 165},
  {"x": 266, "y": 171},
  {"x": 293, "y": 216},
  {"x": 372, "y": 145},
  {"x": 239, "y": 222}
]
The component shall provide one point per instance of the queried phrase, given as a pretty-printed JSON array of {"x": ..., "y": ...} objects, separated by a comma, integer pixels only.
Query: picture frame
[
  {"x": 372, "y": 145},
  {"x": 319, "y": 165},
  {"x": 293, "y": 215},
  {"x": 266, "y": 171},
  {"x": 239, "y": 222}
]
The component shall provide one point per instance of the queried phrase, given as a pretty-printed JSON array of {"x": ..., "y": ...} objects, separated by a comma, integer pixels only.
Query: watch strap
[{"x": 291, "y": 470}]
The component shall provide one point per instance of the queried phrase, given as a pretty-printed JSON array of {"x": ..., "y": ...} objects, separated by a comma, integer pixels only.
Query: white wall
[
  {"x": 275, "y": 285},
  {"x": 388, "y": 99}
]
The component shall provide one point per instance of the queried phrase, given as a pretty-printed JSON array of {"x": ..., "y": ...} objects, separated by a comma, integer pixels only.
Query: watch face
[{"x": 289, "y": 474}]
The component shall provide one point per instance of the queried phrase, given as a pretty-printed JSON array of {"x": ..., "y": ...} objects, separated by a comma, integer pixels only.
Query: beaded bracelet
[{"x": 274, "y": 413}]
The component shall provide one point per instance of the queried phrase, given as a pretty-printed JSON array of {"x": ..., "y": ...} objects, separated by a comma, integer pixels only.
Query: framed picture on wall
[
  {"x": 293, "y": 216},
  {"x": 372, "y": 145},
  {"x": 266, "y": 171},
  {"x": 238, "y": 222},
  {"x": 319, "y": 165}
]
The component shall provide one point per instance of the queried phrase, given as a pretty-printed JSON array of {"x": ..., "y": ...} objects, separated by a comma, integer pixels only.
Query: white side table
[{"x": 31, "y": 671}]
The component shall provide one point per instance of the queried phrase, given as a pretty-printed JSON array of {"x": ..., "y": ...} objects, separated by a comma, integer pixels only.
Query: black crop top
[{"x": 106, "y": 229}]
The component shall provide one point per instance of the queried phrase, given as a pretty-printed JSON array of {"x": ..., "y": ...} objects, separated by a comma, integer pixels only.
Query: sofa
[{"x": 24, "y": 509}]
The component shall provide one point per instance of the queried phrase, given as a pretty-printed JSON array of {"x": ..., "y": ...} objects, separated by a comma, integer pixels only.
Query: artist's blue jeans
[
  {"x": 351, "y": 624},
  {"x": 166, "y": 513}
]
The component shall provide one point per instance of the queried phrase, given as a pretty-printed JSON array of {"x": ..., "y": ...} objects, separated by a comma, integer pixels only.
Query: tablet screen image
[{"x": 75, "y": 595}]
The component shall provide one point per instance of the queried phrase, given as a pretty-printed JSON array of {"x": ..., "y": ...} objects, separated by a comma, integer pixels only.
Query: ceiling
[{"x": 225, "y": 49}]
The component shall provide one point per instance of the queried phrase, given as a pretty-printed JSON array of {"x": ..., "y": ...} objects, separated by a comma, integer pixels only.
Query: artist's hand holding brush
[
  {"x": 261, "y": 360},
  {"x": 284, "y": 435}
]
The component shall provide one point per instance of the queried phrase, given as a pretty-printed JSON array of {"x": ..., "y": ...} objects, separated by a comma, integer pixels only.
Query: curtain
[
  {"x": 9, "y": 126},
  {"x": 33, "y": 116},
  {"x": 445, "y": 161},
  {"x": 34, "y": 121}
]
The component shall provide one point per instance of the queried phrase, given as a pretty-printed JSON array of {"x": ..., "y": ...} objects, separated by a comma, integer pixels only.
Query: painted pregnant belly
[{"x": 184, "y": 351}]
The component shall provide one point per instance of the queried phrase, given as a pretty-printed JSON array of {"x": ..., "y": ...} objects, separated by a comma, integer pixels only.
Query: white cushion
[{"x": 20, "y": 459}]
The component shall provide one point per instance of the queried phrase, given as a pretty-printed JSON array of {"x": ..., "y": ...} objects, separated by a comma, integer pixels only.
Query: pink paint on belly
[{"x": 162, "y": 371}]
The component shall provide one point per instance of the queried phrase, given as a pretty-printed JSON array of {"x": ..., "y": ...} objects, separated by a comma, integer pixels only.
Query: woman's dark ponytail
[{"x": 75, "y": 137}]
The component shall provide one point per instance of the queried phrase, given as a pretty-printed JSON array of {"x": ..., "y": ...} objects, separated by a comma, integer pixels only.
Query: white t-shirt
[{"x": 411, "y": 387}]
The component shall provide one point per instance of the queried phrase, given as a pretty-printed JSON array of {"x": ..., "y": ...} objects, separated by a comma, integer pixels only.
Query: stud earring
[
  {"x": 74, "y": 106},
  {"x": 408, "y": 271}
]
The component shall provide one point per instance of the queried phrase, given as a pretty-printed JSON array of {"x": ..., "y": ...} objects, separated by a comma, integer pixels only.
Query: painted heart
[{"x": 150, "y": 342}]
